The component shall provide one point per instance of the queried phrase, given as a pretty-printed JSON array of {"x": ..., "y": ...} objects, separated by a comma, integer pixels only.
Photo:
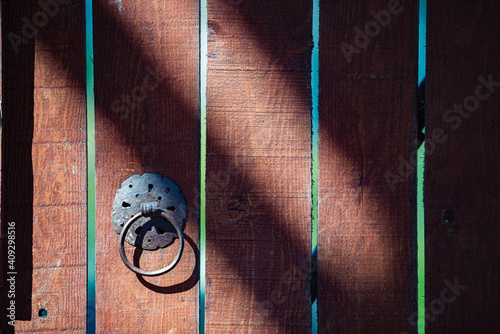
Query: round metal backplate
[{"x": 149, "y": 233}]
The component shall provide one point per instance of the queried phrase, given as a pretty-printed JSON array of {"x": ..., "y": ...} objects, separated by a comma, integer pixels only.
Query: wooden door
[{"x": 218, "y": 96}]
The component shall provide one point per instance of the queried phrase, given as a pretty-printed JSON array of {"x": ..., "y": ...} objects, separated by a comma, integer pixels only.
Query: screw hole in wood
[
  {"x": 449, "y": 216},
  {"x": 42, "y": 313}
]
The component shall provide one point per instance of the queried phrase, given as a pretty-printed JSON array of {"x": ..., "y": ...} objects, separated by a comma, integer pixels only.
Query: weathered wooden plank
[
  {"x": 258, "y": 205},
  {"x": 367, "y": 219},
  {"x": 135, "y": 42},
  {"x": 462, "y": 177},
  {"x": 44, "y": 163}
]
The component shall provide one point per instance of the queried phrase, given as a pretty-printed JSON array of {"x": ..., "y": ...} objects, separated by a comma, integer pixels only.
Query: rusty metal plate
[{"x": 148, "y": 233}]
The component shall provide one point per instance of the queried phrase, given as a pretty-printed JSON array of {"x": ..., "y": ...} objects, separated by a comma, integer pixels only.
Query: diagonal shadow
[{"x": 124, "y": 50}]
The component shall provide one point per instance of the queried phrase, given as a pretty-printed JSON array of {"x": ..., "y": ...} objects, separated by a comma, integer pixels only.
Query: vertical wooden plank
[
  {"x": 258, "y": 206},
  {"x": 44, "y": 164},
  {"x": 17, "y": 113},
  {"x": 152, "y": 47},
  {"x": 462, "y": 176},
  {"x": 367, "y": 218}
]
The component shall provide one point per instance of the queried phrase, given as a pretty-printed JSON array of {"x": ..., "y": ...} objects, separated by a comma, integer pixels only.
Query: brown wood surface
[
  {"x": 462, "y": 177},
  {"x": 158, "y": 135},
  {"x": 258, "y": 167},
  {"x": 44, "y": 164},
  {"x": 367, "y": 225}
]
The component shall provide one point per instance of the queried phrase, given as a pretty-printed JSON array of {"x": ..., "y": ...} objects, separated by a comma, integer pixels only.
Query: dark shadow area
[
  {"x": 17, "y": 169},
  {"x": 180, "y": 287},
  {"x": 314, "y": 275},
  {"x": 421, "y": 113}
]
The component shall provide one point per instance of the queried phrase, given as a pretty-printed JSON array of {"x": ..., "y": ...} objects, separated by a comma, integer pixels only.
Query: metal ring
[{"x": 139, "y": 270}]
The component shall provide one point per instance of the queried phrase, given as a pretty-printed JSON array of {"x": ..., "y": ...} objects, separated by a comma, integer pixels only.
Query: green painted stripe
[
  {"x": 89, "y": 46},
  {"x": 420, "y": 181},
  {"x": 315, "y": 122},
  {"x": 203, "y": 152},
  {"x": 420, "y": 241},
  {"x": 422, "y": 31},
  {"x": 314, "y": 144}
]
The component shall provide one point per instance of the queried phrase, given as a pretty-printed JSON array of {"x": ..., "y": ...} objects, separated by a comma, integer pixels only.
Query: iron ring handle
[{"x": 124, "y": 233}]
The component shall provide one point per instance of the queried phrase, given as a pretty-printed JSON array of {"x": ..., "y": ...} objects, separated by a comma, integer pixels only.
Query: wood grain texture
[
  {"x": 462, "y": 177},
  {"x": 44, "y": 153},
  {"x": 152, "y": 44},
  {"x": 367, "y": 225},
  {"x": 258, "y": 203}
]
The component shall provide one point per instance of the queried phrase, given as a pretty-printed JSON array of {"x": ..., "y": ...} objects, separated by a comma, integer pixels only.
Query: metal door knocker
[{"x": 149, "y": 212}]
